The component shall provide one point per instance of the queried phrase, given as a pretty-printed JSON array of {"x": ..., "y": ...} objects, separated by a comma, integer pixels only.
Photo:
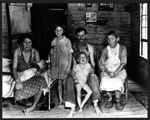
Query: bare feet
[
  {"x": 61, "y": 105},
  {"x": 98, "y": 111},
  {"x": 80, "y": 110},
  {"x": 71, "y": 113},
  {"x": 26, "y": 111}
]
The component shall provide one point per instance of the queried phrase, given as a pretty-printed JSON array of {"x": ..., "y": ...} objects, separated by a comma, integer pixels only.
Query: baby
[
  {"x": 81, "y": 72},
  {"x": 27, "y": 74}
]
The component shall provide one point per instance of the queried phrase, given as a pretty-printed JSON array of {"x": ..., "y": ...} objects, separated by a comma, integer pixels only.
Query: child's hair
[
  {"x": 115, "y": 34},
  {"x": 62, "y": 25},
  {"x": 80, "y": 55}
]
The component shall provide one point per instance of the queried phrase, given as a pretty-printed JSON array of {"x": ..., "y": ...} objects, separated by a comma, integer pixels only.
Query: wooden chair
[{"x": 98, "y": 54}]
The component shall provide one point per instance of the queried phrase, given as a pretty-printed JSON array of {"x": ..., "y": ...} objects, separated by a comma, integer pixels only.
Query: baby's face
[
  {"x": 42, "y": 64},
  {"x": 82, "y": 59}
]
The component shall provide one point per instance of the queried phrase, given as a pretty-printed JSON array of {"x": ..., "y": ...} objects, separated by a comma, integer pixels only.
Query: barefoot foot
[
  {"x": 71, "y": 113},
  {"x": 98, "y": 111}
]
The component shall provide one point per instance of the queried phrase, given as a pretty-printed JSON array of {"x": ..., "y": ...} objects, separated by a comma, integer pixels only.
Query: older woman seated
[
  {"x": 24, "y": 57},
  {"x": 112, "y": 62}
]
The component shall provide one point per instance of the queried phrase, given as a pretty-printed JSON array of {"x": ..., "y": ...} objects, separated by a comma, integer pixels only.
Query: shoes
[
  {"x": 119, "y": 106},
  {"x": 109, "y": 104}
]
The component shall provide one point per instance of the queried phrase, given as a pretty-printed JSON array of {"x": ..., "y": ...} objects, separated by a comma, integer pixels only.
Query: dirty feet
[
  {"x": 80, "y": 110},
  {"x": 61, "y": 105},
  {"x": 98, "y": 111},
  {"x": 71, "y": 113},
  {"x": 30, "y": 109}
]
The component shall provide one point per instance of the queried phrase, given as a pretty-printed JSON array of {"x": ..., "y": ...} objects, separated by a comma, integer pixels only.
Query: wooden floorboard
[{"x": 133, "y": 109}]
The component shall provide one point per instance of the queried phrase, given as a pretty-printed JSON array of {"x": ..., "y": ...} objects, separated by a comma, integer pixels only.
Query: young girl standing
[{"x": 61, "y": 57}]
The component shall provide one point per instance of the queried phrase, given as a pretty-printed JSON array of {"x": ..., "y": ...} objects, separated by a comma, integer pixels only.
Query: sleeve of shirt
[
  {"x": 69, "y": 46},
  {"x": 53, "y": 42}
]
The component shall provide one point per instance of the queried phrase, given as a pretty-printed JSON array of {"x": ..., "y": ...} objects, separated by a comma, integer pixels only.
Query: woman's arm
[
  {"x": 37, "y": 56},
  {"x": 14, "y": 69},
  {"x": 102, "y": 61},
  {"x": 15, "y": 62},
  {"x": 123, "y": 60}
]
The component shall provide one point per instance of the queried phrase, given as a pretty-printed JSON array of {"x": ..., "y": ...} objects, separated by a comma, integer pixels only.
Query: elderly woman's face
[
  {"x": 27, "y": 44},
  {"x": 112, "y": 41}
]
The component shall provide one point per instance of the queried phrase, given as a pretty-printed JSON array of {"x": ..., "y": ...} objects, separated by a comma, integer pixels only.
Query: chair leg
[
  {"x": 49, "y": 100},
  {"x": 126, "y": 90}
]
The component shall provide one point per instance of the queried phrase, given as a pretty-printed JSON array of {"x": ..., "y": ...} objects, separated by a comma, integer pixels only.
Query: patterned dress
[{"x": 32, "y": 86}]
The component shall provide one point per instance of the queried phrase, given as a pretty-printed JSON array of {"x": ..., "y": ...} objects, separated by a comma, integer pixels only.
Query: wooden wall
[
  {"x": 19, "y": 19},
  {"x": 118, "y": 20},
  {"x": 126, "y": 23},
  {"x": 5, "y": 40}
]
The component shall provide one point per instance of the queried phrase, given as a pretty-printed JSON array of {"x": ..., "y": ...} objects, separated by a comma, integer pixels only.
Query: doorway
[{"x": 44, "y": 17}]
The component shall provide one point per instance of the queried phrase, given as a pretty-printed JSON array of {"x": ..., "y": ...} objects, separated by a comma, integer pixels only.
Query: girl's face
[
  {"x": 27, "y": 44},
  {"x": 112, "y": 41},
  {"x": 59, "y": 31},
  {"x": 82, "y": 59}
]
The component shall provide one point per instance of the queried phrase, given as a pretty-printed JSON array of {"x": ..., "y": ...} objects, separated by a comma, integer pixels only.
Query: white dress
[{"x": 112, "y": 63}]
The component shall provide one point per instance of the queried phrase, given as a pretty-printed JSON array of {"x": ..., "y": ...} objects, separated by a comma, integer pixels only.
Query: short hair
[
  {"x": 80, "y": 55},
  {"x": 115, "y": 34},
  {"x": 24, "y": 36},
  {"x": 62, "y": 25},
  {"x": 79, "y": 30}
]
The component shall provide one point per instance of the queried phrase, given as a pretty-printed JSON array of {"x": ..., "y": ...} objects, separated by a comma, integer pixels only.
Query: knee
[{"x": 90, "y": 92}]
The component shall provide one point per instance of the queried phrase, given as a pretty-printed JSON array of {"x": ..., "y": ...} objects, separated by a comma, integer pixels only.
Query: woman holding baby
[{"x": 25, "y": 57}]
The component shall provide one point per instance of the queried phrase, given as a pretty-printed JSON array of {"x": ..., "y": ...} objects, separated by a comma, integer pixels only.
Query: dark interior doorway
[{"x": 44, "y": 16}]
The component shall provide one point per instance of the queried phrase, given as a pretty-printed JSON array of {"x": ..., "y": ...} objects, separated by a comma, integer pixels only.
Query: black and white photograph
[{"x": 74, "y": 60}]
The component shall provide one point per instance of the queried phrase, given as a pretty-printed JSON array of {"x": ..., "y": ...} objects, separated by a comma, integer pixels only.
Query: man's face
[{"x": 81, "y": 36}]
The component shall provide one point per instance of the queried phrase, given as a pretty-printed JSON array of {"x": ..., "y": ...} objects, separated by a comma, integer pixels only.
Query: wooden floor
[{"x": 133, "y": 109}]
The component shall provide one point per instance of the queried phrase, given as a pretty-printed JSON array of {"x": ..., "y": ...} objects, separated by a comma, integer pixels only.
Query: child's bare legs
[
  {"x": 89, "y": 92},
  {"x": 60, "y": 85},
  {"x": 79, "y": 87},
  {"x": 72, "y": 111},
  {"x": 11, "y": 90}
]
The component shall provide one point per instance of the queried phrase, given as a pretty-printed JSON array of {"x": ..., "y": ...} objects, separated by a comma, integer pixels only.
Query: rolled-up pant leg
[
  {"x": 69, "y": 96},
  {"x": 93, "y": 83}
]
